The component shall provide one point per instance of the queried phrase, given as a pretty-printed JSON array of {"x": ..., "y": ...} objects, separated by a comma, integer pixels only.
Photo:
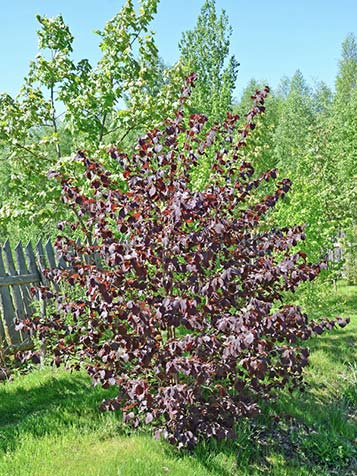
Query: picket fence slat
[
  {"x": 3, "y": 303},
  {"x": 2, "y": 334},
  {"x": 50, "y": 254},
  {"x": 25, "y": 290},
  {"x": 41, "y": 260},
  {"x": 8, "y": 309},
  {"x": 51, "y": 259},
  {"x": 23, "y": 270},
  {"x": 61, "y": 263},
  {"x": 32, "y": 261},
  {"x": 18, "y": 301},
  {"x": 35, "y": 270}
]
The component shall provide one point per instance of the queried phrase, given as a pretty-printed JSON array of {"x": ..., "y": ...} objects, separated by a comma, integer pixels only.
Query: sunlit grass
[{"x": 50, "y": 424}]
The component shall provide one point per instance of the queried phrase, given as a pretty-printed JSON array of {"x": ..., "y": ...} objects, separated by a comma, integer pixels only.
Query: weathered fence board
[
  {"x": 18, "y": 300},
  {"x": 5, "y": 300},
  {"x": 8, "y": 309},
  {"x": 40, "y": 254},
  {"x": 50, "y": 255},
  {"x": 33, "y": 268},
  {"x": 23, "y": 271},
  {"x": 19, "y": 279}
]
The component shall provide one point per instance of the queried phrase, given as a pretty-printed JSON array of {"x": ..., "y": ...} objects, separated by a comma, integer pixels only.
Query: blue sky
[{"x": 271, "y": 39}]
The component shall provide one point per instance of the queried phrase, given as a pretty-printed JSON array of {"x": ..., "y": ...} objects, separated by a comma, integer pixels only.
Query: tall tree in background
[
  {"x": 205, "y": 50},
  {"x": 342, "y": 152},
  {"x": 343, "y": 137},
  {"x": 346, "y": 81},
  {"x": 315, "y": 145},
  {"x": 300, "y": 154}
]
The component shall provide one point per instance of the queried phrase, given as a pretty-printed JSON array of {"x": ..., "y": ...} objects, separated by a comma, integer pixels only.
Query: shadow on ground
[{"x": 48, "y": 407}]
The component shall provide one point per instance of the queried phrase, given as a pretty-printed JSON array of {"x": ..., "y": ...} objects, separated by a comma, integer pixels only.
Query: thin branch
[
  {"x": 59, "y": 115},
  {"x": 136, "y": 37},
  {"x": 117, "y": 128},
  {"x": 23, "y": 147},
  {"x": 54, "y": 122},
  {"x": 102, "y": 122},
  {"x": 102, "y": 127},
  {"x": 43, "y": 125},
  {"x": 125, "y": 134}
]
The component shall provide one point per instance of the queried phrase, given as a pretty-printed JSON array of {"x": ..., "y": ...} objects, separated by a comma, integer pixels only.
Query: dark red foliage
[{"x": 178, "y": 290}]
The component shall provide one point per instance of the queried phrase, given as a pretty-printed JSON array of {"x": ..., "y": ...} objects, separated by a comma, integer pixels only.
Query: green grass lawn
[{"x": 50, "y": 425}]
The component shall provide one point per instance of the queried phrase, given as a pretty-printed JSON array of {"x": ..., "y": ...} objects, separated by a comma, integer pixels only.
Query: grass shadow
[
  {"x": 339, "y": 345},
  {"x": 46, "y": 405}
]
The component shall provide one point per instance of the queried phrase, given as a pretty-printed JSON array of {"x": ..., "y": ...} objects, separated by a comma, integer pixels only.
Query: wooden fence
[{"x": 19, "y": 271}]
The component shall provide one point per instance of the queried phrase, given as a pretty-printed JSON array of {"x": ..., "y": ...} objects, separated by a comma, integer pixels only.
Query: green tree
[
  {"x": 65, "y": 105},
  {"x": 205, "y": 50},
  {"x": 346, "y": 81},
  {"x": 300, "y": 151},
  {"x": 343, "y": 135},
  {"x": 315, "y": 145},
  {"x": 341, "y": 148}
]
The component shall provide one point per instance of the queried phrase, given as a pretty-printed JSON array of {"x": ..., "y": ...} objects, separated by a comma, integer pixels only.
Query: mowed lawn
[{"x": 50, "y": 424}]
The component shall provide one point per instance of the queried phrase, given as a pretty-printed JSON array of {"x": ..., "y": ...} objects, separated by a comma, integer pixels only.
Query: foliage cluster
[{"x": 175, "y": 294}]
